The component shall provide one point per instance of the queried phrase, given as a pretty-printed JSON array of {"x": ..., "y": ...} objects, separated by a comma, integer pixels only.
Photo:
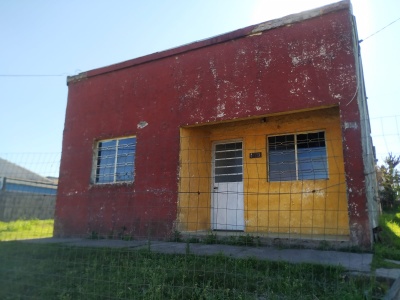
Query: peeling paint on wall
[
  {"x": 221, "y": 110},
  {"x": 298, "y": 68},
  {"x": 350, "y": 125},
  {"x": 142, "y": 124}
]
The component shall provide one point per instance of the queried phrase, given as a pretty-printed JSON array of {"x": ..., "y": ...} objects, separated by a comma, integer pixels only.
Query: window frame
[
  {"x": 215, "y": 159},
  {"x": 96, "y": 164},
  {"x": 296, "y": 160}
]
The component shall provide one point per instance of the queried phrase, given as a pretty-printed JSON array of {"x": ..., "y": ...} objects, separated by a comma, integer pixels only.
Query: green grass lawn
[
  {"x": 43, "y": 271},
  {"x": 26, "y": 229},
  {"x": 48, "y": 271},
  {"x": 389, "y": 246}
]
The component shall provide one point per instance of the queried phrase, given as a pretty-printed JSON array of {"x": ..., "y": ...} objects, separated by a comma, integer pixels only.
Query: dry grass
[{"x": 26, "y": 229}]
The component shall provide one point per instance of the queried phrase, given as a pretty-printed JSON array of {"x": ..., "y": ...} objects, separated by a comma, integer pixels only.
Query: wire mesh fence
[{"x": 260, "y": 217}]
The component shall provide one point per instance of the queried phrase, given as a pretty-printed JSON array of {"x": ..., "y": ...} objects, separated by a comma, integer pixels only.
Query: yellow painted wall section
[
  {"x": 311, "y": 207},
  {"x": 194, "y": 207}
]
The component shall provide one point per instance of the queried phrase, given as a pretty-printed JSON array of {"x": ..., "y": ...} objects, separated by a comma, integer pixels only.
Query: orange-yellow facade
[{"x": 306, "y": 207}]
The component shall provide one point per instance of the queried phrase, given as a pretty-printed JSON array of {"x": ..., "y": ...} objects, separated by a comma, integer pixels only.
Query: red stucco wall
[{"x": 298, "y": 67}]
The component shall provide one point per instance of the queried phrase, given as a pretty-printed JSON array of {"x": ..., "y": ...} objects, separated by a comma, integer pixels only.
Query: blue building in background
[
  {"x": 18, "y": 179},
  {"x": 25, "y": 194}
]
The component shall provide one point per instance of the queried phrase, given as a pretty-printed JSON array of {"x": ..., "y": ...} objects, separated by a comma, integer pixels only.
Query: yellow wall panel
[{"x": 302, "y": 206}]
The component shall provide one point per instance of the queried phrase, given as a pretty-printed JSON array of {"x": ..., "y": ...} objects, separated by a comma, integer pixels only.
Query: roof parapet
[
  {"x": 76, "y": 78},
  {"x": 301, "y": 16}
]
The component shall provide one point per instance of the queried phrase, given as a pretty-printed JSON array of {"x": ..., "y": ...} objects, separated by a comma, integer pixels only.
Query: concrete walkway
[{"x": 354, "y": 262}]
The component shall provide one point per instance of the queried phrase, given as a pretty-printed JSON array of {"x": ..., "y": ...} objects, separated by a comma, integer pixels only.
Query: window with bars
[
  {"x": 228, "y": 162},
  {"x": 115, "y": 160},
  {"x": 297, "y": 157}
]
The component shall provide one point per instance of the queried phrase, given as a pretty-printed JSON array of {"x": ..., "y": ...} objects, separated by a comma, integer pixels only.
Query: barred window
[
  {"x": 228, "y": 162},
  {"x": 297, "y": 157},
  {"x": 115, "y": 160}
]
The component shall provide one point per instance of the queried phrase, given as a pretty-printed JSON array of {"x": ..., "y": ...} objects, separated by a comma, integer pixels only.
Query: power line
[
  {"x": 360, "y": 41},
  {"x": 59, "y": 75},
  {"x": 32, "y": 75}
]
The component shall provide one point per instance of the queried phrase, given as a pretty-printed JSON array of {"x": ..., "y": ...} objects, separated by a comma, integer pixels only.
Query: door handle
[{"x": 215, "y": 188}]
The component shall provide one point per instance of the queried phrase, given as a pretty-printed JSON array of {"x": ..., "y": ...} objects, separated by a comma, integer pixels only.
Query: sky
[{"x": 44, "y": 41}]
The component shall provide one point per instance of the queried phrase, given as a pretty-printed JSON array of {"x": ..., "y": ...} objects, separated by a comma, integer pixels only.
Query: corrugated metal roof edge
[{"x": 11, "y": 170}]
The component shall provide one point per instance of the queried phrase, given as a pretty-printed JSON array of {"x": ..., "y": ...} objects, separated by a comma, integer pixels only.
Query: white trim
[{"x": 96, "y": 157}]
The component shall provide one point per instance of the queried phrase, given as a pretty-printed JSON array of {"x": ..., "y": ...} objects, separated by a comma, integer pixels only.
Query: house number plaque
[{"x": 255, "y": 155}]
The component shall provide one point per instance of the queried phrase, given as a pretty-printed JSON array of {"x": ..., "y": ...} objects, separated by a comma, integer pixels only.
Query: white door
[{"x": 227, "y": 203}]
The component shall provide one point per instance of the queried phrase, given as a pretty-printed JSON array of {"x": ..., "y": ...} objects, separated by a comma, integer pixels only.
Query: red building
[{"x": 263, "y": 130}]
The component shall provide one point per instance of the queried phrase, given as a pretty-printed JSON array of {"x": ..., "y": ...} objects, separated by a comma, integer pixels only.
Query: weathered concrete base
[
  {"x": 394, "y": 291},
  {"x": 388, "y": 273},
  {"x": 298, "y": 241}
]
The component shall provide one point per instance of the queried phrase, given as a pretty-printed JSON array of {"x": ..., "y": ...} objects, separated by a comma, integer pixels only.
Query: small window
[
  {"x": 115, "y": 160},
  {"x": 297, "y": 157},
  {"x": 228, "y": 162}
]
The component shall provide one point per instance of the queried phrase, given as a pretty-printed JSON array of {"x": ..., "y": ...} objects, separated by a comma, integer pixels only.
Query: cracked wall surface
[{"x": 298, "y": 63}]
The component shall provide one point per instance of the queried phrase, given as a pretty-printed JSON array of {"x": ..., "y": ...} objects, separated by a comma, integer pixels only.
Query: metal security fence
[{"x": 258, "y": 217}]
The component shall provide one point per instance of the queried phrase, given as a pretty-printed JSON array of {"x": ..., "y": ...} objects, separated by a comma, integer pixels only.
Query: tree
[{"x": 389, "y": 181}]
